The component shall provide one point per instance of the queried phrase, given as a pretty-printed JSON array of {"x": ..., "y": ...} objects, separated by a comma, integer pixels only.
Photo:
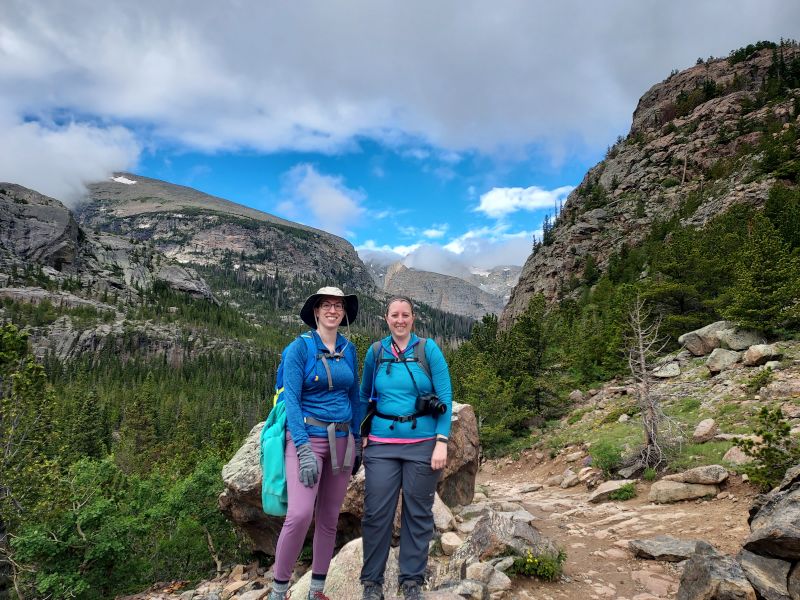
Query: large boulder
[
  {"x": 241, "y": 499},
  {"x": 495, "y": 535},
  {"x": 705, "y": 431},
  {"x": 709, "y": 575},
  {"x": 344, "y": 573},
  {"x": 663, "y": 547},
  {"x": 739, "y": 339},
  {"x": 665, "y": 492},
  {"x": 769, "y": 576},
  {"x": 706, "y": 475},
  {"x": 670, "y": 369},
  {"x": 721, "y": 359},
  {"x": 760, "y": 354},
  {"x": 457, "y": 485},
  {"x": 607, "y": 488},
  {"x": 702, "y": 341},
  {"x": 775, "y": 520}
]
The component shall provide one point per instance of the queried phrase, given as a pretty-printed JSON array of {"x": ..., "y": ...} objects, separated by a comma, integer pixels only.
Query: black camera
[{"x": 429, "y": 404}]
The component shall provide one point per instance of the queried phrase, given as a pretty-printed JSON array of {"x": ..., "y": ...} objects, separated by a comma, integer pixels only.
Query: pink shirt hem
[{"x": 383, "y": 440}]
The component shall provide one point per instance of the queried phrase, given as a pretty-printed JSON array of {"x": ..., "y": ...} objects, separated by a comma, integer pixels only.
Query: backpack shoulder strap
[
  {"x": 377, "y": 351},
  {"x": 311, "y": 353},
  {"x": 422, "y": 358}
]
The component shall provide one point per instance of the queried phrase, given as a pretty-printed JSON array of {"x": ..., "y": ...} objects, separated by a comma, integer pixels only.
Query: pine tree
[
  {"x": 766, "y": 292},
  {"x": 135, "y": 450}
]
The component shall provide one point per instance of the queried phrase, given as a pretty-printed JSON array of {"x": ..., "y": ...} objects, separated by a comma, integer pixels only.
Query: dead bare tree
[{"x": 644, "y": 343}]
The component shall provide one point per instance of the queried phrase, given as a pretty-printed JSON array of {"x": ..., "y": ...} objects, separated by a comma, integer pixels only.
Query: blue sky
[
  {"x": 443, "y": 131},
  {"x": 399, "y": 200}
]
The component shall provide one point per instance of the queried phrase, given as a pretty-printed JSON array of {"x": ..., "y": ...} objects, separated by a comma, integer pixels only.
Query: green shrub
[
  {"x": 759, "y": 380},
  {"x": 669, "y": 182},
  {"x": 625, "y": 492},
  {"x": 649, "y": 474},
  {"x": 577, "y": 415},
  {"x": 546, "y": 566},
  {"x": 776, "y": 453},
  {"x": 613, "y": 415},
  {"x": 606, "y": 456}
]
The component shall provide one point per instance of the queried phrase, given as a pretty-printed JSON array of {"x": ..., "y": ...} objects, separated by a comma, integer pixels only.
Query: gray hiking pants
[{"x": 390, "y": 467}]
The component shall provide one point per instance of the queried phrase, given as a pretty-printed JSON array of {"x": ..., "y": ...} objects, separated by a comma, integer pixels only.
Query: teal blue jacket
[{"x": 396, "y": 395}]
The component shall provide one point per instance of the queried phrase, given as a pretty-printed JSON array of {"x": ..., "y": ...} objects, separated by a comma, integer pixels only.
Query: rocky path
[{"x": 595, "y": 536}]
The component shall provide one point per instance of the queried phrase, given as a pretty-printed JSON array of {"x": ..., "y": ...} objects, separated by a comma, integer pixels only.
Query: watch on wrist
[{"x": 441, "y": 438}]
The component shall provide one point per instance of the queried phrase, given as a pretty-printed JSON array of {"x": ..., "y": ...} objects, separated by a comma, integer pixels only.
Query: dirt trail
[{"x": 595, "y": 536}]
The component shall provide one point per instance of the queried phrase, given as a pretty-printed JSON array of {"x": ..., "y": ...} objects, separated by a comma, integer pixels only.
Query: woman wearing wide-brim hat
[{"x": 323, "y": 445}]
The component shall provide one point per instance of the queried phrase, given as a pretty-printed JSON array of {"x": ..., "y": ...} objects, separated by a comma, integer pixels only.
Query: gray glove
[{"x": 309, "y": 470}]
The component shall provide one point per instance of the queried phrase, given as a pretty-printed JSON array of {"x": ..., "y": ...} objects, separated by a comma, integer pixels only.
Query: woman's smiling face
[
  {"x": 400, "y": 318},
  {"x": 329, "y": 311}
]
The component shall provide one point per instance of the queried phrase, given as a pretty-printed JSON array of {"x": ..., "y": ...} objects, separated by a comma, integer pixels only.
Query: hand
[
  {"x": 364, "y": 441},
  {"x": 309, "y": 469},
  {"x": 357, "y": 458},
  {"x": 439, "y": 456}
]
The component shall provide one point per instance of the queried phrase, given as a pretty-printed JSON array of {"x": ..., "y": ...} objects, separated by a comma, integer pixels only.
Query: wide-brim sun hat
[{"x": 350, "y": 305}]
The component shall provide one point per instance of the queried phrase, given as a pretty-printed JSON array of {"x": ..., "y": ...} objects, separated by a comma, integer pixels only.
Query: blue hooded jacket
[{"x": 310, "y": 397}]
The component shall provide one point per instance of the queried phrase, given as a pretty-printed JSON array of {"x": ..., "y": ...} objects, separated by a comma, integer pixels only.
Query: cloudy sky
[{"x": 444, "y": 130}]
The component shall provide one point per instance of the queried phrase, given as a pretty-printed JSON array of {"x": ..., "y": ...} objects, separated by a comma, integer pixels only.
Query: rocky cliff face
[
  {"x": 190, "y": 226},
  {"x": 47, "y": 257},
  {"x": 446, "y": 293},
  {"x": 696, "y": 133}
]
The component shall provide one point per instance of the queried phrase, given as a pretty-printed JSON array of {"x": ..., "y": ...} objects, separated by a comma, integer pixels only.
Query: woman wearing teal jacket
[{"x": 406, "y": 448}]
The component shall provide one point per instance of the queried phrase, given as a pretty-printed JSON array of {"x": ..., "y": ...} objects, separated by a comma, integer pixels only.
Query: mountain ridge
[{"x": 695, "y": 145}]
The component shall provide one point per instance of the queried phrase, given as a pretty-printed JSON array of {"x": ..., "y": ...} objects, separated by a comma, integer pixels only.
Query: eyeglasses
[{"x": 337, "y": 306}]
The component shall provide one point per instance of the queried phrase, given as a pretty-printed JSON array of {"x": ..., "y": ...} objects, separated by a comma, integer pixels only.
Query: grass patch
[
  {"x": 731, "y": 417},
  {"x": 577, "y": 415},
  {"x": 625, "y": 492},
  {"x": 698, "y": 455},
  {"x": 613, "y": 415}
]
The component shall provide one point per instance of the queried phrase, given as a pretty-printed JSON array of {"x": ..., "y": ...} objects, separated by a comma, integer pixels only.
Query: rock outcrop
[
  {"x": 444, "y": 292},
  {"x": 767, "y": 566},
  {"x": 190, "y": 226},
  {"x": 646, "y": 176}
]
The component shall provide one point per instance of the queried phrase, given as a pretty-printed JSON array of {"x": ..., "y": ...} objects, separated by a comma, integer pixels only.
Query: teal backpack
[{"x": 274, "y": 498}]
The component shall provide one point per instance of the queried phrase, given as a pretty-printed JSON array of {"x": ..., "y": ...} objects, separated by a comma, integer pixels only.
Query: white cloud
[
  {"x": 319, "y": 200},
  {"x": 481, "y": 248},
  {"x": 408, "y": 230},
  {"x": 435, "y": 232},
  {"x": 310, "y": 76},
  {"x": 313, "y": 77},
  {"x": 398, "y": 251},
  {"x": 499, "y": 202},
  {"x": 472, "y": 250},
  {"x": 59, "y": 161}
]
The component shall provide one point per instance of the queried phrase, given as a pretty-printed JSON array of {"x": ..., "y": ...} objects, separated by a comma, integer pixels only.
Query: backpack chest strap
[{"x": 323, "y": 357}]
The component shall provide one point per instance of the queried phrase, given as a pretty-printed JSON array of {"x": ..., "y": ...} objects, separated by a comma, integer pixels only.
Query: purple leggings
[{"x": 328, "y": 492}]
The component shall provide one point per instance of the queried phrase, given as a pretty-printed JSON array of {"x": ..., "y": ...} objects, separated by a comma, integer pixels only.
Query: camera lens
[{"x": 437, "y": 406}]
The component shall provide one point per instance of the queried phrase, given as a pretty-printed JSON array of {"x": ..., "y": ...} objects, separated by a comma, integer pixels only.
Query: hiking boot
[
  {"x": 273, "y": 595},
  {"x": 411, "y": 590},
  {"x": 372, "y": 591},
  {"x": 317, "y": 596}
]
